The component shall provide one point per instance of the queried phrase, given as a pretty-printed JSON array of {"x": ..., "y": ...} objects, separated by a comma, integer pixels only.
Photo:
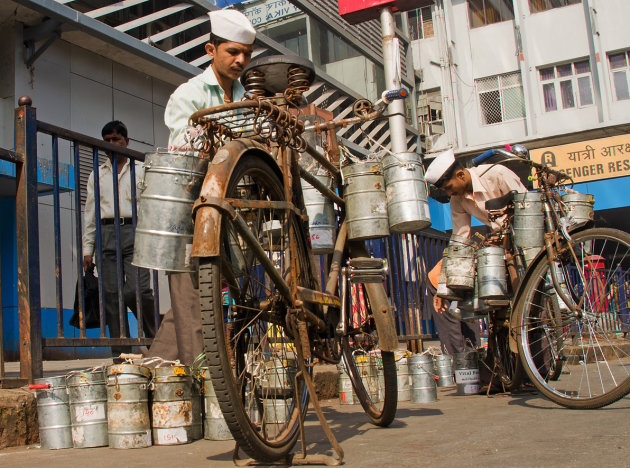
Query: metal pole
[
  {"x": 391, "y": 63},
  {"x": 27, "y": 230}
]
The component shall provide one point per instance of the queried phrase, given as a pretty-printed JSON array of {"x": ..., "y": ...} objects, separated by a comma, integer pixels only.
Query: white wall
[{"x": 357, "y": 73}]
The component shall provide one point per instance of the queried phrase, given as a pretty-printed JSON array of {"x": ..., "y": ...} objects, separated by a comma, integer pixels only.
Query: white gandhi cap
[
  {"x": 232, "y": 25},
  {"x": 442, "y": 162}
]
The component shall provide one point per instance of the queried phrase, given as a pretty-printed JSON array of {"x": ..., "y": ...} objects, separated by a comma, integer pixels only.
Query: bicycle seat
[{"x": 500, "y": 202}]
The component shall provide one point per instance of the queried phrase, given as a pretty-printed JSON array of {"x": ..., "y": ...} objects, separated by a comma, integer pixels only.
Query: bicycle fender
[
  {"x": 207, "y": 219},
  {"x": 382, "y": 311}
]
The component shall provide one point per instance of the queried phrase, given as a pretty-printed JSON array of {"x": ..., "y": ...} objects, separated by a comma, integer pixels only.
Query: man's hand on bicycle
[{"x": 440, "y": 305}]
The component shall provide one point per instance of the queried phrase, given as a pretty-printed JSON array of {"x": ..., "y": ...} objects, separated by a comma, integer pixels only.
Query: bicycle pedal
[{"x": 367, "y": 270}]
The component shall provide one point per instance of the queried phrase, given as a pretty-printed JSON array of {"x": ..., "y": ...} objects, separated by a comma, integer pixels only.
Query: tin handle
[{"x": 39, "y": 386}]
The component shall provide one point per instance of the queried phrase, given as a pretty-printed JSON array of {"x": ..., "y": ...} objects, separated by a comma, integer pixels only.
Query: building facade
[{"x": 537, "y": 72}]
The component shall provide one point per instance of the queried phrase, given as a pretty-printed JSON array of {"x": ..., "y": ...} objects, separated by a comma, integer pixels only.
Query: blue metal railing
[{"x": 31, "y": 342}]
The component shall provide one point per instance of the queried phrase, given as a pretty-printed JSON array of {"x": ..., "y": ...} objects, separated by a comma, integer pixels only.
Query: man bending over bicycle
[{"x": 469, "y": 189}]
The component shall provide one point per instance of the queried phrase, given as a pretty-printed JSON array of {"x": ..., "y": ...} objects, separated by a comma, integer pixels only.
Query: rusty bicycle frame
[
  {"x": 267, "y": 120},
  {"x": 556, "y": 235}
]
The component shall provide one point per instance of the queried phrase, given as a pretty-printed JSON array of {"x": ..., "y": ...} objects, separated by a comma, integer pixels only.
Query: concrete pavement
[{"x": 477, "y": 431}]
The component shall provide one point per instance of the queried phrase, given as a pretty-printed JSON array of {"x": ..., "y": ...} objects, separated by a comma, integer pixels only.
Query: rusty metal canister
[
  {"x": 214, "y": 425},
  {"x": 171, "y": 408},
  {"x": 164, "y": 234},
  {"x": 460, "y": 269},
  {"x": 579, "y": 207},
  {"x": 366, "y": 202},
  {"x": 406, "y": 191},
  {"x": 53, "y": 412},
  {"x": 88, "y": 408},
  {"x": 529, "y": 220},
  {"x": 128, "y": 418},
  {"x": 491, "y": 273}
]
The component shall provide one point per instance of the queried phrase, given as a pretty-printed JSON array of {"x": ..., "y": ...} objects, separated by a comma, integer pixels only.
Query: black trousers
[
  {"x": 110, "y": 282},
  {"x": 455, "y": 336}
]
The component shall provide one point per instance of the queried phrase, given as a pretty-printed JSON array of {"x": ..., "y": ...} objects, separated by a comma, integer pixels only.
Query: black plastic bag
[{"x": 90, "y": 283}]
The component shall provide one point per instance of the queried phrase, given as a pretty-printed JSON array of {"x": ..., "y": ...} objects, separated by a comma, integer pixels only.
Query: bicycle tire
[
  {"x": 361, "y": 343},
  {"x": 594, "y": 359},
  {"x": 249, "y": 350}
]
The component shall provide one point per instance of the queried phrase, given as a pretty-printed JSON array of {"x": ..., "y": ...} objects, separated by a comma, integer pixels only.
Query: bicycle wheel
[
  {"x": 507, "y": 362},
  {"x": 578, "y": 359},
  {"x": 249, "y": 348},
  {"x": 371, "y": 371}
]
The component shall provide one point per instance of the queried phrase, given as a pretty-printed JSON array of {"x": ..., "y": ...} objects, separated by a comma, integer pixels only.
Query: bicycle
[
  {"x": 264, "y": 317},
  {"x": 561, "y": 312}
]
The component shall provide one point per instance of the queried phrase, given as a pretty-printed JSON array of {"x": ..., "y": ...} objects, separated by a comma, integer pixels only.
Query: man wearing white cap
[
  {"x": 469, "y": 189},
  {"x": 230, "y": 48}
]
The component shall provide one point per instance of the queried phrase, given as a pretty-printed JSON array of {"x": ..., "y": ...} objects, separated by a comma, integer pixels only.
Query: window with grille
[
  {"x": 566, "y": 86},
  {"x": 620, "y": 71},
  {"x": 483, "y": 12},
  {"x": 420, "y": 23},
  {"x": 536, "y": 6},
  {"x": 500, "y": 98}
]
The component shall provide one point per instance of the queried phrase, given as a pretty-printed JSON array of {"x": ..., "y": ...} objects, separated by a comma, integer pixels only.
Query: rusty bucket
[
  {"x": 171, "y": 409},
  {"x": 128, "y": 419},
  {"x": 53, "y": 412},
  {"x": 88, "y": 408}
]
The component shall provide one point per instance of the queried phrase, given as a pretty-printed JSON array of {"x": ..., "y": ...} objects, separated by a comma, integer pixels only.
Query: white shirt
[
  {"x": 106, "y": 187},
  {"x": 200, "y": 92},
  {"x": 496, "y": 182}
]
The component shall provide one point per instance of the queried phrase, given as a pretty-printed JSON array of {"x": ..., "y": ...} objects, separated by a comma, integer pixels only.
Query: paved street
[{"x": 515, "y": 430}]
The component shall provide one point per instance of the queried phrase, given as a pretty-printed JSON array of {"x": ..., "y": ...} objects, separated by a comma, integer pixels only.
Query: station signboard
[{"x": 585, "y": 161}]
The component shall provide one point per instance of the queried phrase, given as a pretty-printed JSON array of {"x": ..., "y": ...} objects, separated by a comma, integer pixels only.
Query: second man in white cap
[{"x": 230, "y": 49}]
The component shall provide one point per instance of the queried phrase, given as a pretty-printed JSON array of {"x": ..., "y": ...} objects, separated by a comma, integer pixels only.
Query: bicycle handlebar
[
  {"x": 482, "y": 157},
  {"x": 511, "y": 156}
]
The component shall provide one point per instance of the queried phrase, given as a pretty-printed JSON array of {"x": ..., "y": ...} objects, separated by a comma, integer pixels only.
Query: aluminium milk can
[
  {"x": 171, "y": 407},
  {"x": 321, "y": 216},
  {"x": 366, "y": 202},
  {"x": 164, "y": 233},
  {"x": 53, "y": 412},
  {"x": 128, "y": 417},
  {"x": 460, "y": 269},
  {"x": 491, "y": 273},
  {"x": 88, "y": 408},
  {"x": 406, "y": 191},
  {"x": 529, "y": 220},
  {"x": 423, "y": 384}
]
